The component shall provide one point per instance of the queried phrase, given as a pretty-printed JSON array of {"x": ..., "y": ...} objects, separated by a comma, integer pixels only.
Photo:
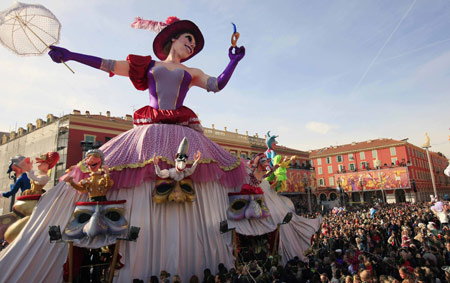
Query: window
[
  {"x": 321, "y": 182},
  {"x": 89, "y": 138},
  {"x": 362, "y": 155},
  {"x": 330, "y": 169},
  {"x": 351, "y": 166},
  {"x": 363, "y": 165},
  {"x": 319, "y": 170},
  {"x": 331, "y": 180},
  {"x": 328, "y": 160},
  {"x": 319, "y": 161},
  {"x": 341, "y": 168},
  {"x": 374, "y": 154},
  {"x": 392, "y": 149},
  {"x": 339, "y": 158},
  {"x": 350, "y": 157}
]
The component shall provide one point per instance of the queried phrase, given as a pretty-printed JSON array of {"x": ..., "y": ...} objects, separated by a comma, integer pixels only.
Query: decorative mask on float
[
  {"x": 101, "y": 220},
  {"x": 174, "y": 185},
  {"x": 171, "y": 190},
  {"x": 248, "y": 203}
]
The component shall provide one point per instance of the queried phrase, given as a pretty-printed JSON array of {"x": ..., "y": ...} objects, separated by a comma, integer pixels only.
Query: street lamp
[
  {"x": 361, "y": 183},
  {"x": 308, "y": 193},
  {"x": 341, "y": 195},
  {"x": 426, "y": 146}
]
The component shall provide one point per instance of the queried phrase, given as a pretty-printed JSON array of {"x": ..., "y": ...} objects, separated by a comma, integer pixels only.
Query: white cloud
[{"x": 319, "y": 127}]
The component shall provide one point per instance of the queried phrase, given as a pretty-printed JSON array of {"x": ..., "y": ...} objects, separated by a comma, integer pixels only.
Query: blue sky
[{"x": 316, "y": 73}]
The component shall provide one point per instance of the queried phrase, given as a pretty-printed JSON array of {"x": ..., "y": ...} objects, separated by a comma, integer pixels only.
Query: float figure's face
[
  {"x": 94, "y": 162},
  {"x": 247, "y": 206},
  {"x": 93, "y": 220},
  {"x": 170, "y": 190}
]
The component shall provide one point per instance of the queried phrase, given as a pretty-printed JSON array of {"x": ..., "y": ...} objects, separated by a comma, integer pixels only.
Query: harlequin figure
[
  {"x": 46, "y": 162},
  {"x": 175, "y": 186},
  {"x": 278, "y": 180},
  {"x": 99, "y": 180},
  {"x": 271, "y": 143}
]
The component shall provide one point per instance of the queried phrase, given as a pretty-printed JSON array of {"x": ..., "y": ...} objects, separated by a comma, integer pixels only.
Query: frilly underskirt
[{"x": 130, "y": 157}]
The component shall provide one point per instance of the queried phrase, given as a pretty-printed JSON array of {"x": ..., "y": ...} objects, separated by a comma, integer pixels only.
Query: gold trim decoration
[{"x": 168, "y": 161}]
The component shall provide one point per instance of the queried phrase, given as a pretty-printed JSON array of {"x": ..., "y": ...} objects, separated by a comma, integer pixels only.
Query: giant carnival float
[{"x": 160, "y": 196}]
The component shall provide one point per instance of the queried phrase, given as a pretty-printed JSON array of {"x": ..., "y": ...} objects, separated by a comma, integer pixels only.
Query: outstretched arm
[
  {"x": 209, "y": 83},
  {"x": 59, "y": 54},
  {"x": 160, "y": 173}
]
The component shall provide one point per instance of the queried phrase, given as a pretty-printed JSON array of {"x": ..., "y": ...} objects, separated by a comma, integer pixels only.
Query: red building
[{"x": 383, "y": 169}]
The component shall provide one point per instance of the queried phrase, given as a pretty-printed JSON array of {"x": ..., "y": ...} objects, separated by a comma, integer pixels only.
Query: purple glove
[
  {"x": 239, "y": 53},
  {"x": 59, "y": 55}
]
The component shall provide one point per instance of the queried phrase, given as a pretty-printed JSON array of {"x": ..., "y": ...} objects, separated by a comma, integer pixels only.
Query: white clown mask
[{"x": 99, "y": 222}]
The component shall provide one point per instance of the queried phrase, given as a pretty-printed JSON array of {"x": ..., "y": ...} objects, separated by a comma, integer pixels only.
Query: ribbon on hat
[{"x": 150, "y": 25}]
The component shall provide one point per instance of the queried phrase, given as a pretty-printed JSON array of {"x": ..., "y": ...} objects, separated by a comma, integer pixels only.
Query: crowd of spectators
[{"x": 393, "y": 243}]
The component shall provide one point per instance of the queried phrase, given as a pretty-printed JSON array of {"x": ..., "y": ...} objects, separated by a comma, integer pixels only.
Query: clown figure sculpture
[
  {"x": 46, "y": 162},
  {"x": 24, "y": 205},
  {"x": 19, "y": 165},
  {"x": 178, "y": 188},
  {"x": 99, "y": 180}
]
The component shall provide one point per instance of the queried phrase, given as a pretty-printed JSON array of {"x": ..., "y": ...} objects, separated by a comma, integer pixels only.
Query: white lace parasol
[{"x": 28, "y": 29}]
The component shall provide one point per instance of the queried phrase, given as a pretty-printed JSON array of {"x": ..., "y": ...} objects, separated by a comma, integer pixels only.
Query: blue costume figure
[
  {"x": 20, "y": 165},
  {"x": 271, "y": 143}
]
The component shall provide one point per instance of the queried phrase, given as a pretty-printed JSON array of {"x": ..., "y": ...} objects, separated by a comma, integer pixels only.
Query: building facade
[{"x": 379, "y": 169}]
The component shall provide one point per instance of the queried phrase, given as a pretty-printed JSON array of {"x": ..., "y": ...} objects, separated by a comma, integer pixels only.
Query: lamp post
[
  {"x": 308, "y": 193},
  {"x": 342, "y": 204},
  {"x": 383, "y": 192},
  {"x": 361, "y": 182},
  {"x": 426, "y": 146}
]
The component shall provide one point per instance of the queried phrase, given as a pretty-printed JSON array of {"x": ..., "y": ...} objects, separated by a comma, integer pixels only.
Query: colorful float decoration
[
  {"x": 278, "y": 165},
  {"x": 173, "y": 234},
  {"x": 174, "y": 184},
  {"x": 38, "y": 181},
  {"x": 12, "y": 223},
  {"x": 98, "y": 222},
  {"x": 249, "y": 202}
]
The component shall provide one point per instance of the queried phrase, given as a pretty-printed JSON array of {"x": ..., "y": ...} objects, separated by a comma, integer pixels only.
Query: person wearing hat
[
  {"x": 46, "y": 162},
  {"x": 20, "y": 165},
  {"x": 168, "y": 80}
]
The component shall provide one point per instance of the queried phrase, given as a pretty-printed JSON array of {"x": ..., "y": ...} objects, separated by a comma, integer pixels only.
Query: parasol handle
[
  {"x": 43, "y": 42},
  {"x": 67, "y": 66}
]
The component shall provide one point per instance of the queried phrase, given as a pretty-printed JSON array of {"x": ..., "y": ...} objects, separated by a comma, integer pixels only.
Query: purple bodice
[{"x": 167, "y": 88}]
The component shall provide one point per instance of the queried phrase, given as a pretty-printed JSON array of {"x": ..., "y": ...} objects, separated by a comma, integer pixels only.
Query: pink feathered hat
[{"x": 168, "y": 30}]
